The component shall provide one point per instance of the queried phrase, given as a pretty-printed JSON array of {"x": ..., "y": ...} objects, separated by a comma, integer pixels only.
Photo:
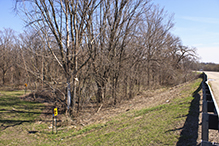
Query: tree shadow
[
  {"x": 25, "y": 112},
  {"x": 12, "y": 123},
  {"x": 189, "y": 133},
  {"x": 22, "y": 111}
]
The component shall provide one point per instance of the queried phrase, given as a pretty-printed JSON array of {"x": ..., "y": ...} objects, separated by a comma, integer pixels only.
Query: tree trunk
[
  {"x": 115, "y": 83},
  {"x": 68, "y": 94},
  {"x": 131, "y": 87},
  {"x": 125, "y": 87},
  {"x": 78, "y": 103},
  {"x": 114, "y": 91},
  {"x": 3, "y": 77},
  {"x": 148, "y": 77},
  {"x": 4, "y": 73},
  {"x": 99, "y": 93},
  {"x": 74, "y": 91}
]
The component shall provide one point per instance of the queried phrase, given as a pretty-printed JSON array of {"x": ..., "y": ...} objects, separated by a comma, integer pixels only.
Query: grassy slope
[
  {"x": 158, "y": 125},
  {"x": 17, "y": 118}
]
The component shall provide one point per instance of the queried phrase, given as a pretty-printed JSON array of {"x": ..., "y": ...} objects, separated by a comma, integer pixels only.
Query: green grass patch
[
  {"x": 15, "y": 111},
  {"x": 159, "y": 125},
  {"x": 17, "y": 117}
]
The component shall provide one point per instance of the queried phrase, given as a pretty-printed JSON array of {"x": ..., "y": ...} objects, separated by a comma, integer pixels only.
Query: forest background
[{"x": 93, "y": 51}]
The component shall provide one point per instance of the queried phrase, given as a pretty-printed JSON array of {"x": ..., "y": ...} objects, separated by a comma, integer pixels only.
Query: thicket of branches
[{"x": 93, "y": 50}]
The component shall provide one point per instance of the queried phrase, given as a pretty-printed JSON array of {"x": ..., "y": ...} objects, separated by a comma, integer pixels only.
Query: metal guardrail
[{"x": 210, "y": 110}]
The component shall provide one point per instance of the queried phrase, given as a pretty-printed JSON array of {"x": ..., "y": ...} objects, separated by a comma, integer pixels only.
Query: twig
[{"x": 99, "y": 108}]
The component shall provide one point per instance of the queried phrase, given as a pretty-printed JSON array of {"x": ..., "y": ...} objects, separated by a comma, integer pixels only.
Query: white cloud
[{"x": 209, "y": 54}]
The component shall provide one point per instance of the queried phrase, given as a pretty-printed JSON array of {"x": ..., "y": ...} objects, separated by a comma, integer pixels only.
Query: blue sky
[
  {"x": 196, "y": 23},
  {"x": 8, "y": 18}
]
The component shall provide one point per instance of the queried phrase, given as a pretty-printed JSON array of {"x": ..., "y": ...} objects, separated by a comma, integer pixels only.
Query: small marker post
[
  {"x": 56, "y": 124},
  {"x": 54, "y": 119},
  {"x": 25, "y": 88},
  {"x": 52, "y": 123}
]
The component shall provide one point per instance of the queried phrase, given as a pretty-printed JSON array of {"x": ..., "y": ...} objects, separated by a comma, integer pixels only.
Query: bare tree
[
  {"x": 68, "y": 24},
  {"x": 119, "y": 18},
  {"x": 99, "y": 49},
  {"x": 153, "y": 32},
  {"x": 7, "y": 42}
]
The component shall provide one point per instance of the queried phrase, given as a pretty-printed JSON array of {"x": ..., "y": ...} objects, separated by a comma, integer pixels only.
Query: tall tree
[
  {"x": 7, "y": 42},
  {"x": 119, "y": 18},
  {"x": 69, "y": 23},
  {"x": 153, "y": 31}
]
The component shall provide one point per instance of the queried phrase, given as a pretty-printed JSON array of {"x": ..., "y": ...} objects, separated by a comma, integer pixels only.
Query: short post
[
  {"x": 54, "y": 119},
  {"x": 56, "y": 124},
  {"x": 25, "y": 88},
  {"x": 52, "y": 123}
]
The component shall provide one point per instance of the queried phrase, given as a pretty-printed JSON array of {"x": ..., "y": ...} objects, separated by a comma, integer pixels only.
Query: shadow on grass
[
  {"x": 12, "y": 123},
  {"x": 22, "y": 118},
  {"x": 24, "y": 112},
  {"x": 15, "y": 111},
  {"x": 189, "y": 133}
]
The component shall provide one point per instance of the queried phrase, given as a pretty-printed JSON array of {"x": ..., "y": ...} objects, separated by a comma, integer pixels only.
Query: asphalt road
[{"x": 213, "y": 80}]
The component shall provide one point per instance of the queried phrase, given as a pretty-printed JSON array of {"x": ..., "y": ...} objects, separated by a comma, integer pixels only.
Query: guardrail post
[
  {"x": 204, "y": 104},
  {"x": 205, "y": 126},
  {"x": 204, "y": 113}
]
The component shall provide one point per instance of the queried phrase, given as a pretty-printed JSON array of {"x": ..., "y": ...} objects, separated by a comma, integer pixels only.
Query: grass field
[{"x": 159, "y": 125}]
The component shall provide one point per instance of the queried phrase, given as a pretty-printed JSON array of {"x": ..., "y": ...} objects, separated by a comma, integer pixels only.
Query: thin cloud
[
  {"x": 202, "y": 19},
  {"x": 198, "y": 45},
  {"x": 216, "y": 44}
]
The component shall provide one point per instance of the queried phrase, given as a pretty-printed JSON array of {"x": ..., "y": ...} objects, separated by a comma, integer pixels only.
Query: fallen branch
[{"x": 99, "y": 108}]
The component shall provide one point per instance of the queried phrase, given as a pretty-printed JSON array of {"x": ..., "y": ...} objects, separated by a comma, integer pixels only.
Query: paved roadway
[{"x": 213, "y": 79}]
